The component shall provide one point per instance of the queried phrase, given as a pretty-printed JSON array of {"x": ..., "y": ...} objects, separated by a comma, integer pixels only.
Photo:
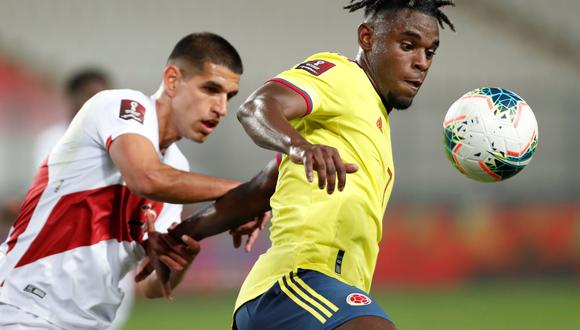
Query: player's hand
[
  {"x": 155, "y": 245},
  {"x": 325, "y": 161},
  {"x": 182, "y": 255},
  {"x": 252, "y": 229},
  {"x": 166, "y": 254}
]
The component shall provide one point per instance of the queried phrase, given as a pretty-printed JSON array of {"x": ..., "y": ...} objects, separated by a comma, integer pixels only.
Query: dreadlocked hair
[{"x": 429, "y": 7}]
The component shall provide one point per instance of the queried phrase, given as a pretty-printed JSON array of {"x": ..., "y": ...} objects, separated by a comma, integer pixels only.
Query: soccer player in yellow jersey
[{"x": 328, "y": 115}]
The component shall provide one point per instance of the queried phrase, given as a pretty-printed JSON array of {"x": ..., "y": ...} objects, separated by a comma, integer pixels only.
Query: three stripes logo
[{"x": 304, "y": 296}]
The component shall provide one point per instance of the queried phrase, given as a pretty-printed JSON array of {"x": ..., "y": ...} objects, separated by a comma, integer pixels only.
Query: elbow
[
  {"x": 246, "y": 112},
  {"x": 252, "y": 112},
  {"x": 144, "y": 185},
  {"x": 252, "y": 115}
]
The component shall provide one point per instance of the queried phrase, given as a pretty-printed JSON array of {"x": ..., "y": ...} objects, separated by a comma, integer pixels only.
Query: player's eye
[
  {"x": 407, "y": 46},
  {"x": 230, "y": 95},
  {"x": 211, "y": 89},
  {"x": 430, "y": 53}
]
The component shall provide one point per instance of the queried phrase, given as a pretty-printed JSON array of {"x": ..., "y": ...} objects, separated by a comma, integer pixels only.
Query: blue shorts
[{"x": 306, "y": 300}]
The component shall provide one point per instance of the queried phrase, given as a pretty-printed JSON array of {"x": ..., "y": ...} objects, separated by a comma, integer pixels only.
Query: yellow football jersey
[{"x": 336, "y": 234}]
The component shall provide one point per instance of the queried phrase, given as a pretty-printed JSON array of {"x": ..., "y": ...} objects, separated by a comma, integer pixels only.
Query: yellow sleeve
[{"x": 308, "y": 80}]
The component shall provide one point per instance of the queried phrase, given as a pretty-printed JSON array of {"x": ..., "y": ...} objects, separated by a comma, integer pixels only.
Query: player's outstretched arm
[
  {"x": 235, "y": 208},
  {"x": 265, "y": 116},
  {"x": 146, "y": 175}
]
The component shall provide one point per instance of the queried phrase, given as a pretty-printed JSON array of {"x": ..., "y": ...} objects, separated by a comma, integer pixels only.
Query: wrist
[
  {"x": 186, "y": 227},
  {"x": 297, "y": 148},
  {"x": 291, "y": 141}
]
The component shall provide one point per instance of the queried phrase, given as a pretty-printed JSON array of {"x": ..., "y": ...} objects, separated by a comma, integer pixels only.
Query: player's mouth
[
  {"x": 414, "y": 84},
  {"x": 209, "y": 125}
]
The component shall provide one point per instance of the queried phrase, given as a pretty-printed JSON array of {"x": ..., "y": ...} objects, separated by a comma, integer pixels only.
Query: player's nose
[
  {"x": 220, "y": 106},
  {"x": 421, "y": 62}
]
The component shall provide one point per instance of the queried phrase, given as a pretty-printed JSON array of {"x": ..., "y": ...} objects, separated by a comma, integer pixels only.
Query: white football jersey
[{"x": 79, "y": 228}]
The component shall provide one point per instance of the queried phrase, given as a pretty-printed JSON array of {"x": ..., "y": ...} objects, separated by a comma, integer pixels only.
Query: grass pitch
[{"x": 500, "y": 306}]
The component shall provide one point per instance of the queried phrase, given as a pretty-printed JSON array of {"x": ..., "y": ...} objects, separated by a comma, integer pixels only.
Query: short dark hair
[
  {"x": 198, "y": 48},
  {"x": 429, "y": 7},
  {"x": 80, "y": 79}
]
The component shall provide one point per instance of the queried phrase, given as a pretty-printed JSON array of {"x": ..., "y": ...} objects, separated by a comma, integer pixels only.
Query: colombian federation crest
[{"x": 358, "y": 299}]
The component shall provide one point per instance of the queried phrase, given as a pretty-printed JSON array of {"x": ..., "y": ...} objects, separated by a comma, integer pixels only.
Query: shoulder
[
  {"x": 125, "y": 104},
  {"x": 322, "y": 69},
  {"x": 321, "y": 63},
  {"x": 329, "y": 56},
  {"x": 121, "y": 95}
]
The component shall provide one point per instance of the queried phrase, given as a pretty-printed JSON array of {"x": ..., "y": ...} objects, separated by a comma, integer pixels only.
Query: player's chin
[
  {"x": 198, "y": 137},
  {"x": 400, "y": 101}
]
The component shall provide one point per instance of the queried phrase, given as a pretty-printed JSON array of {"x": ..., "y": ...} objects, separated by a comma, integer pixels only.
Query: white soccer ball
[{"x": 490, "y": 134}]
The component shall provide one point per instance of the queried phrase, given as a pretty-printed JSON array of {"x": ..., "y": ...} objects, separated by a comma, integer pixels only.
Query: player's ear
[
  {"x": 171, "y": 77},
  {"x": 365, "y": 36}
]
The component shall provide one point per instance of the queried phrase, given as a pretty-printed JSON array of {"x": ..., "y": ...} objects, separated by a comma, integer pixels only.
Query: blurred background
[{"x": 456, "y": 254}]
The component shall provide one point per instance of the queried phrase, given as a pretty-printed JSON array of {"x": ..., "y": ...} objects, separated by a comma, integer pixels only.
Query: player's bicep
[
  {"x": 292, "y": 103},
  {"x": 134, "y": 156}
]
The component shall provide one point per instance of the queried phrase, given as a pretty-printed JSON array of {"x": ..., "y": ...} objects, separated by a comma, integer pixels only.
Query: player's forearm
[
  {"x": 263, "y": 120},
  {"x": 146, "y": 175},
  {"x": 173, "y": 186},
  {"x": 232, "y": 210},
  {"x": 235, "y": 208}
]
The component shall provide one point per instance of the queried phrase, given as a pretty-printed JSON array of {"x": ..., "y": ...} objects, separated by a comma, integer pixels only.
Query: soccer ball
[{"x": 490, "y": 134}]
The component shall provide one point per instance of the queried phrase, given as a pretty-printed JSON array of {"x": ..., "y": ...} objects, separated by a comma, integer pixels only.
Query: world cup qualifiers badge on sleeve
[
  {"x": 132, "y": 110},
  {"x": 316, "y": 67}
]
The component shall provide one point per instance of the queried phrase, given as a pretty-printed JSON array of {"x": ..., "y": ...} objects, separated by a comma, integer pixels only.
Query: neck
[
  {"x": 363, "y": 62},
  {"x": 167, "y": 131}
]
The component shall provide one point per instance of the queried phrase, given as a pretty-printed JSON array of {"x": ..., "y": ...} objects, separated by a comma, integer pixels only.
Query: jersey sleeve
[
  {"x": 309, "y": 79},
  {"x": 127, "y": 112}
]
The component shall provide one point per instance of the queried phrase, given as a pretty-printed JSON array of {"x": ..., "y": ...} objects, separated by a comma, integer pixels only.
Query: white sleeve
[{"x": 119, "y": 112}]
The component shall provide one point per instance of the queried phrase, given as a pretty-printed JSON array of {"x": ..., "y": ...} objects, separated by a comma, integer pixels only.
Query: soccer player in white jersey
[
  {"x": 81, "y": 86},
  {"x": 81, "y": 226}
]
